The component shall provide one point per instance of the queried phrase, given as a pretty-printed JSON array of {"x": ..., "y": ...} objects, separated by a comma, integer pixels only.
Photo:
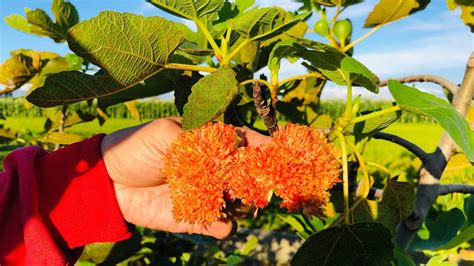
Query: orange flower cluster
[
  {"x": 197, "y": 165},
  {"x": 299, "y": 165}
]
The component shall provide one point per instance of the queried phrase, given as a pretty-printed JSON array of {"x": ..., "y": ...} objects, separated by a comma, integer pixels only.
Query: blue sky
[{"x": 433, "y": 41}]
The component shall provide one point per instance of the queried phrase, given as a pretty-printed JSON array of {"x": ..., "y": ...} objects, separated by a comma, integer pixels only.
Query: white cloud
[
  {"x": 287, "y": 5},
  {"x": 447, "y": 20},
  {"x": 145, "y": 7},
  {"x": 189, "y": 23},
  {"x": 360, "y": 10},
  {"x": 333, "y": 91},
  {"x": 419, "y": 56}
]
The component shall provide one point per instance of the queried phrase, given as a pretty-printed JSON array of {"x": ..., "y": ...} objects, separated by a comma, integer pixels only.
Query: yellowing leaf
[
  {"x": 390, "y": 10},
  {"x": 132, "y": 108},
  {"x": 467, "y": 15},
  {"x": 62, "y": 138},
  {"x": 39, "y": 23},
  {"x": 22, "y": 66},
  {"x": 264, "y": 23}
]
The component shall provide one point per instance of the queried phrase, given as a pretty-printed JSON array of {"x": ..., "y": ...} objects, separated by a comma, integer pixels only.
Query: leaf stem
[
  {"x": 303, "y": 76},
  {"x": 334, "y": 19},
  {"x": 354, "y": 43},
  {"x": 375, "y": 114},
  {"x": 210, "y": 39},
  {"x": 378, "y": 166},
  {"x": 190, "y": 67},
  {"x": 363, "y": 167},
  {"x": 226, "y": 60},
  {"x": 345, "y": 175},
  {"x": 261, "y": 81},
  {"x": 330, "y": 36}
]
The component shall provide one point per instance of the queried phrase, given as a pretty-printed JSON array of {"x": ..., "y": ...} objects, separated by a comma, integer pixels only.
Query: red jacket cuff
[{"x": 76, "y": 196}]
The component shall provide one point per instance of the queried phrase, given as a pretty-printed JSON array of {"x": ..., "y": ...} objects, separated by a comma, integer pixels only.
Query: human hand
[{"x": 134, "y": 159}]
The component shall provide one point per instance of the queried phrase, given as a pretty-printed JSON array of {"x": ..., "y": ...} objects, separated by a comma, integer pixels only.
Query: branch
[
  {"x": 455, "y": 188},
  {"x": 267, "y": 112},
  {"x": 8, "y": 90},
  {"x": 448, "y": 85},
  {"x": 430, "y": 174},
  {"x": 419, "y": 152}
]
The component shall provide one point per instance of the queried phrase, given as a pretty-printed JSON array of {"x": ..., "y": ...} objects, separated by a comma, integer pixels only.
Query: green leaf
[
  {"x": 112, "y": 253},
  {"x": 99, "y": 42},
  {"x": 192, "y": 10},
  {"x": 293, "y": 222},
  {"x": 464, "y": 236},
  {"x": 372, "y": 126},
  {"x": 469, "y": 209},
  {"x": 18, "y": 22},
  {"x": 252, "y": 242},
  {"x": 339, "y": 67},
  {"x": 355, "y": 244},
  {"x": 396, "y": 205},
  {"x": 110, "y": 39},
  {"x": 440, "y": 260},
  {"x": 39, "y": 23},
  {"x": 390, "y": 10},
  {"x": 284, "y": 49},
  {"x": 413, "y": 100},
  {"x": 65, "y": 14},
  {"x": 264, "y": 23},
  {"x": 402, "y": 258},
  {"x": 164, "y": 81},
  {"x": 55, "y": 65},
  {"x": 210, "y": 97},
  {"x": 442, "y": 230},
  {"x": 334, "y": 65},
  {"x": 183, "y": 90}
]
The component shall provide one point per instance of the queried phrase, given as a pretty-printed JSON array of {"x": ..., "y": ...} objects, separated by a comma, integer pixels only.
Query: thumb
[{"x": 219, "y": 229}]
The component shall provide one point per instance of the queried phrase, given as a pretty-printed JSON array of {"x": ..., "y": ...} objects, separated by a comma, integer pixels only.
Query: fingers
[
  {"x": 219, "y": 229},
  {"x": 254, "y": 138}
]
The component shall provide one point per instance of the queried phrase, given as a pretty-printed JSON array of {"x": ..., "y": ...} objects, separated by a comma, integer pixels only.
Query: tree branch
[
  {"x": 446, "y": 84},
  {"x": 430, "y": 175},
  {"x": 266, "y": 111},
  {"x": 420, "y": 153},
  {"x": 8, "y": 90},
  {"x": 455, "y": 188}
]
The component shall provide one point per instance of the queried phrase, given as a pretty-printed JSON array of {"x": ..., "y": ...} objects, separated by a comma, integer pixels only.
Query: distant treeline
[{"x": 150, "y": 109}]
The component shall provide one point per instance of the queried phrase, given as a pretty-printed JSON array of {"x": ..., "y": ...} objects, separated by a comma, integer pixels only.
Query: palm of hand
[{"x": 134, "y": 159}]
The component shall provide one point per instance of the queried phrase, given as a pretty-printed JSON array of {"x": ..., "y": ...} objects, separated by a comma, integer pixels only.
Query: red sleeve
[{"x": 53, "y": 204}]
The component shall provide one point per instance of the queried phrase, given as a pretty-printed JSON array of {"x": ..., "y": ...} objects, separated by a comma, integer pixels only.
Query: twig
[
  {"x": 420, "y": 153},
  {"x": 62, "y": 122},
  {"x": 448, "y": 85},
  {"x": 8, "y": 90},
  {"x": 430, "y": 174},
  {"x": 455, "y": 188},
  {"x": 266, "y": 111}
]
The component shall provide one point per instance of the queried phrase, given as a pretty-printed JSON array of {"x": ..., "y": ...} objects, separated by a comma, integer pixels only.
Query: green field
[
  {"x": 383, "y": 152},
  {"x": 393, "y": 157}
]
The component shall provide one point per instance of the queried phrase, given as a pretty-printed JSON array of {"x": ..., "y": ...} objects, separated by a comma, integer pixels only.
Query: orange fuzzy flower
[
  {"x": 303, "y": 167},
  {"x": 202, "y": 165},
  {"x": 196, "y": 165},
  {"x": 248, "y": 180}
]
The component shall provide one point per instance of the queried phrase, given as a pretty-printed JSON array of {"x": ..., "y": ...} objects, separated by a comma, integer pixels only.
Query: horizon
[{"x": 433, "y": 41}]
